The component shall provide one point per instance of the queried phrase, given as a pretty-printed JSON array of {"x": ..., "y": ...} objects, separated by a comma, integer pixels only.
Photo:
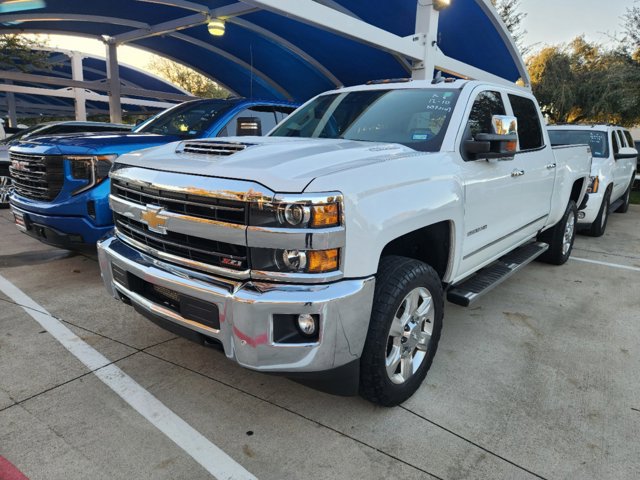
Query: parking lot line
[
  {"x": 607, "y": 264},
  {"x": 9, "y": 472},
  {"x": 208, "y": 455}
]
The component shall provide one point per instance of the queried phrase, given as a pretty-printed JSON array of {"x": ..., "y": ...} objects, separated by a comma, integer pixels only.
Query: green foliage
[
  {"x": 187, "y": 79},
  {"x": 24, "y": 54},
  {"x": 584, "y": 82},
  {"x": 512, "y": 16}
]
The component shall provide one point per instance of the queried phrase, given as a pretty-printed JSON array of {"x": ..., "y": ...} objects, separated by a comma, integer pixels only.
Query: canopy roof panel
[
  {"x": 94, "y": 70},
  {"x": 265, "y": 54}
]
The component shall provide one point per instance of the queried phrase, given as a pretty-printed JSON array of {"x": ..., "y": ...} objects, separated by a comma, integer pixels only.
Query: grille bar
[
  {"x": 37, "y": 177},
  {"x": 200, "y": 250},
  {"x": 209, "y": 208}
]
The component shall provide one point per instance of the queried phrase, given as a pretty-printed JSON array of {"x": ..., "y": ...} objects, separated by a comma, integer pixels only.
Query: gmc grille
[
  {"x": 201, "y": 250},
  {"x": 37, "y": 177},
  {"x": 221, "y": 210}
]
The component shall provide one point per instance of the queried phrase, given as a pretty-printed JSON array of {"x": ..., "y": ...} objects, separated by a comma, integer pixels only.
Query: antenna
[{"x": 251, "y": 71}]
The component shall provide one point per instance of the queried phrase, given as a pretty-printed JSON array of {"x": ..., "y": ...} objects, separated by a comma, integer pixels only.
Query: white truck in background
[
  {"x": 324, "y": 251},
  {"x": 612, "y": 173}
]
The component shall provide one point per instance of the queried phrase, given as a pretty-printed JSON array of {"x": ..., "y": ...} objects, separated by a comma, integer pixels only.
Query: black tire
[
  {"x": 397, "y": 278},
  {"x": 555, "y": 237},
  {"x": 5, "y": 190},
  {"x": 626, "y": 198},
  {"x": 599, "y": 225}
]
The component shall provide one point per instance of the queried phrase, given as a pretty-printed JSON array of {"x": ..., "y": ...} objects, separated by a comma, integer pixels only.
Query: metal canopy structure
[
  {"x": 51, "y": 92},
  {"x": 294, "y": 49}
]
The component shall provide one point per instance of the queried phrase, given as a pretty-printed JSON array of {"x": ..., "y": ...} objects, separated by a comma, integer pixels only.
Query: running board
[
  {"x": 615, "y": 205},
  {"x": 490, "y": 277}
]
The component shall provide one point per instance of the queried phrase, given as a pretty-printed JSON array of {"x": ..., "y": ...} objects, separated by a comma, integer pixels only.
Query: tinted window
[
  {"x": 486, "y": 105},
  {"x": 188, "y": 120},
  {"x": 627, "y": 135},
  {"x": 596, "y": 140},
  {"x": 614, "y": 142},
  {"x": 529, "y": 128},
  {"x": 263, "y": 118},
  {"x": 417, "y": 118},
  {"x": 621, "y": 139}
]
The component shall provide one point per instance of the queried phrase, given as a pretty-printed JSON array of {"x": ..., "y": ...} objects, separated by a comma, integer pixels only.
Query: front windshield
[
  {"x": 597, "y": 140},
  {"x": 189, "y": 120},
  {"x": 417, "y": 118},
  {"x": 23, "y": 134}
]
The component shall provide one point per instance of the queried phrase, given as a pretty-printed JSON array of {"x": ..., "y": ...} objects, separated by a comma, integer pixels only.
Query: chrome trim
[
  {"x": 302, "y": 278},
  {"x": 296, "y": 238},
  {"x": 311, "y": 198},
  {"x": 239, "y": 275},
  {"x": 165, "y": 312},
  {"x": 197, "y": 227},
  {"x": 192, "y": 184}
]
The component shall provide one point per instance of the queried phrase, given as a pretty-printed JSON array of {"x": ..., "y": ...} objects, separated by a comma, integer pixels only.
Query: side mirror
[
  {"x": 626, "y": 152},
  {"x": 501, "y": 144},
  {"x": 249, "y": 126}
]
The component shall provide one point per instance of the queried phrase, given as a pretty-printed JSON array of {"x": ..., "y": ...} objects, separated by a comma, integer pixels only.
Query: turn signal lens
[
  {"x": 325, "y": 215},
  {"x": 595, "y": 184},
  {"x": 321, "y": 261}
]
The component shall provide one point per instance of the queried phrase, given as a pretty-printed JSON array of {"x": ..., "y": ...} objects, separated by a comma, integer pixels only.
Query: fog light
[
  {"x": 581, "y": 215},
  {"x": 307, "y": 324}
]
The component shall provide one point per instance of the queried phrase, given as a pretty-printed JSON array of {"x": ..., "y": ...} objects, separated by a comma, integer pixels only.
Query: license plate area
[
  {"x": 187, "y": 307},
  {"x": 20, "y": 221}
]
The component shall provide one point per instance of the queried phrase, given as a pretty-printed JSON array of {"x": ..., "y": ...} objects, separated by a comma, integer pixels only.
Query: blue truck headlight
[{"x": 91, "y": 168}]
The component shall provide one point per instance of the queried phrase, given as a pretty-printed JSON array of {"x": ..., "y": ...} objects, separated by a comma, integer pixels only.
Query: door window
[
  {"x": 615, "y": 143},
  {"x": 621, "y": 138},
  {"x": 529, "y": 128},
  {"x": 263, "y": 118},
  {"x": 486, "y": 105},
  {"x": 627, "y": 135}
]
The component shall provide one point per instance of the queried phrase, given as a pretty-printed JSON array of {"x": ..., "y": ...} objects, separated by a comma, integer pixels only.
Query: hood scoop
[{"x": 212, "y": 148}]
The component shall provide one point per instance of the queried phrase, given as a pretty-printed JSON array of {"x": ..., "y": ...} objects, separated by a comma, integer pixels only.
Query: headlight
[
  {"x": 295, "y": 261},
  {"x": 295, "y": 215},
  {"x": 91, "y": 168}
]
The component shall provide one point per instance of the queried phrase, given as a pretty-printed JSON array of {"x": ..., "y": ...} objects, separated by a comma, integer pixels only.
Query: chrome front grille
[
  {"x": 212, "y": 148},
  {"x": 38, "y": 177},
  {"x": 209, "y": 208},
  {"x": 176, "y": 247}
]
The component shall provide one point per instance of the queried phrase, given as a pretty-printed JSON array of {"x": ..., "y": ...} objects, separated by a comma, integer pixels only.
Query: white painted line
[
  {"x": 214, "y": 460},
  {"x": 607, "y": 264}
]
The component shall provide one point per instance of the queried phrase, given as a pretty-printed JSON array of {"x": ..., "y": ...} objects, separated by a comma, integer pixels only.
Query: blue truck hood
[{"x": 94, "y": 143}]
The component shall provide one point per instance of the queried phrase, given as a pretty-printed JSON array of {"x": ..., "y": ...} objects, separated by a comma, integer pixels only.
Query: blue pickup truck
[{"x": 61, "y": 183}]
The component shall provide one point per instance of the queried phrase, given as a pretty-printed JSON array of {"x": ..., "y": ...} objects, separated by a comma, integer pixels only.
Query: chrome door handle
[
  {"x": 517, "y": 173},
  {"x": 551, "y": 166}
]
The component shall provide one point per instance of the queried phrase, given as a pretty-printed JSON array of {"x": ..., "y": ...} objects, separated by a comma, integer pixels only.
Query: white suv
[{"x": 612, "y": 173}]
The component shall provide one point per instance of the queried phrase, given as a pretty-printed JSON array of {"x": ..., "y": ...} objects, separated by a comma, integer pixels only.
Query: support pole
[
  {"x": 11, "y": 108},
  {"x": 113, "y": 78},
  {"x": 77, "y": 73},
  {"x": 426, "y": 25}
]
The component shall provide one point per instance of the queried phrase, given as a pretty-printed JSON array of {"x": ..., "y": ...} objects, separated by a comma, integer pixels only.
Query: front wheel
[
  {"x": 561, "y": 237},
  {"x": 405, "y": 327}
]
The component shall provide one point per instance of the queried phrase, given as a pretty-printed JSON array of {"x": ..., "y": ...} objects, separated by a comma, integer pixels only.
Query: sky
[{"x": 559, "y": 21}]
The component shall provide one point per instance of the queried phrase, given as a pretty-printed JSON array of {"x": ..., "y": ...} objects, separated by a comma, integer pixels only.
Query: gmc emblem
[{"x": 20, "y": 166}]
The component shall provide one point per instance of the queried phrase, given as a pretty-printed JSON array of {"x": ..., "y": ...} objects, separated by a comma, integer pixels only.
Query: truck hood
[
  {"x": 284, "y": 165},
  {"x": 92, "y": 143}
]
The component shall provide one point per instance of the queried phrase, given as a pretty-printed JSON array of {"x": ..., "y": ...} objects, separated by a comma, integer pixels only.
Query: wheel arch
[{"x": 433, "y": 245}]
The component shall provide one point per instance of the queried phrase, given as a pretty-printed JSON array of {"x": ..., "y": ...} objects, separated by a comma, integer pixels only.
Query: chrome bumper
[{"x": 246, "y": 311}]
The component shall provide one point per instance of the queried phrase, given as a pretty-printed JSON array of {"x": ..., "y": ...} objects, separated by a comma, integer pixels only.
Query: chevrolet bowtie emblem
[{"x": 154, "y": 220}]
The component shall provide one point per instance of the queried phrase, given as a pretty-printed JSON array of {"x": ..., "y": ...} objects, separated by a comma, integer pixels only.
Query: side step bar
[
  {"x": 488, "y": 278},
  {"x": 614, "y": 206}
]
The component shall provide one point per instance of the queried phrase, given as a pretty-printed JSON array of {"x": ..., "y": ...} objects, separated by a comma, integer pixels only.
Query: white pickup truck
[
  {"x": 324, "y": 251},
  {"x": 612, "y": 173}
]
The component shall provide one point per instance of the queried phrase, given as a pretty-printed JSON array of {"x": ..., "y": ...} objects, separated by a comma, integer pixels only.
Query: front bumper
[
  {"x": 592, "y": 209},
  {"x": 246, "y": 311},
  {"x": 63, "y": 232}
]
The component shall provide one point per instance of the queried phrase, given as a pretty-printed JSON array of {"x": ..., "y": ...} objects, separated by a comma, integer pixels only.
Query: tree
[
  {"x": 513, "y": 17},
  {"x": 631, "y": 24},
  {"x": 19, "y": 52},
  {"x": 187, "y": 79},
  {"x": 584, "y": 82}
]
